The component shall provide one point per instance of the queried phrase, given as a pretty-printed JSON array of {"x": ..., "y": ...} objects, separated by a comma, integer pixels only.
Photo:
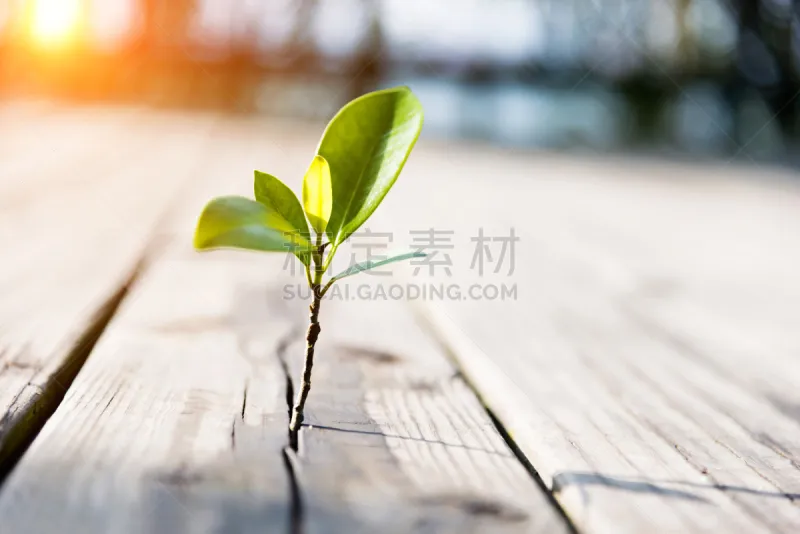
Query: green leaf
[
  {"x": 277, "y": 196},
  {"x": 372, "y": 264},
  {"x": 317, "y": 196},
  {"x": 239, "y": 222},
  {"x": 366, "y": 145}
]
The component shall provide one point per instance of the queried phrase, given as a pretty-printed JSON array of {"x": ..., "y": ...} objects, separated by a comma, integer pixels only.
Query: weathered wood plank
[
  {"x": 72, "y": 238},
  {"x": 178, "y": 420},
  {"x": 158, "y": 435},
  {"x": 643, "y": 372},
  {"x": 396, "y": 442},
  {"x": 640, "y": 369}
]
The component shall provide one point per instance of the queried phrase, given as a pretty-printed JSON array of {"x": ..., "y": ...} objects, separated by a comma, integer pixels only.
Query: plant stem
[{"x": 311, "y": 340}]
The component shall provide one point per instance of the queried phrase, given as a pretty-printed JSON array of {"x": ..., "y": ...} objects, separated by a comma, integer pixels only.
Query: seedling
[{"x": 359, "y": 157}]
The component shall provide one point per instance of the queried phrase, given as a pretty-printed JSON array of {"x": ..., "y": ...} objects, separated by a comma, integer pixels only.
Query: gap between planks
[
  {"x": 396, "y": 438},
  {"x": 447, "y": 347},
  {"x": 70, "y": 305},
  {"x": 24, "y": 426}
]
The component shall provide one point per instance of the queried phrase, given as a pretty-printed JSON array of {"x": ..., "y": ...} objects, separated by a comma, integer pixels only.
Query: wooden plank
[
  {"x": 612, "y": 371},
  {"x": 177, "y": 421},
  {"x": 72, "y": 240},
  {"x": 395, "y": 441},
  {"x": 724, "y": 302}
]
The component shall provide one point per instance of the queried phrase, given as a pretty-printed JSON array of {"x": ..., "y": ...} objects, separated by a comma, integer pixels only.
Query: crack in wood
[
  {"x": 296, "y": 515},
  {"x": 282, "y": 348},
  {"x": 19, "y": 427},
  {"x": 296, "y": 512},
  {"x": 461, "y": 375}
]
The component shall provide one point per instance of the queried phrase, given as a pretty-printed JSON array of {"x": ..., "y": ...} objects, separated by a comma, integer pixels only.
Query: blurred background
[{"x": 689, "y": 78}]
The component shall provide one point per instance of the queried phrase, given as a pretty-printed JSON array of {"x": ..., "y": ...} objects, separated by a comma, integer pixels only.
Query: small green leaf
[
  {"x": 317, "y": 195},
  {"x": 239, "y": 222},
  {"x": 277, "y": 196},
  {"x": 366, "y": 144},
  {"x": 372, "y": 264}
]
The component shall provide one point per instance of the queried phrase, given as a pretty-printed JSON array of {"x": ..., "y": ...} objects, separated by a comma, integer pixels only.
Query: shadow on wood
[{"x": 659, "y": 487}]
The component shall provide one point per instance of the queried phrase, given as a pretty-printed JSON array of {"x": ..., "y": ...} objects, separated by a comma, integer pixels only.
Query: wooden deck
[{"x": 645, "y": 379}]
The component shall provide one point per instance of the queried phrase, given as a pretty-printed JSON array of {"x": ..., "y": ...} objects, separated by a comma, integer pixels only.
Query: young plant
[{"x": 359, "y": 157}]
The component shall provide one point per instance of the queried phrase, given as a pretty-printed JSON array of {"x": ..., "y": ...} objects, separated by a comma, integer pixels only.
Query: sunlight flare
[{"x": 54, "y": 21}]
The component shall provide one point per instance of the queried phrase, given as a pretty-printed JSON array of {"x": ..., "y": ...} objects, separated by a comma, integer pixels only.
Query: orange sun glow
[{"x": 54, "y": 22}]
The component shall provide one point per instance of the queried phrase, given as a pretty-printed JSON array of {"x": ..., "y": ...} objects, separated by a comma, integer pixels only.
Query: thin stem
[
  {"x": 327, "y": 286},
  {"x": 311, "y": 340}
]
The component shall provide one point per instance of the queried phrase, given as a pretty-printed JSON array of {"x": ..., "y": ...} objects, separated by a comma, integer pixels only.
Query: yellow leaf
[{"x": 317, "y": 194}]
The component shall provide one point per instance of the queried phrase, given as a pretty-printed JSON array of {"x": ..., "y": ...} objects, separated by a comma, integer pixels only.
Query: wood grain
[
  {"x": 395, "y": 441},
  {"x": 645, "y": 371},
  {"x": 73, "y": 234},
  {"x": 178, "y": 420},
  {"x": 644, "y": 368}
]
